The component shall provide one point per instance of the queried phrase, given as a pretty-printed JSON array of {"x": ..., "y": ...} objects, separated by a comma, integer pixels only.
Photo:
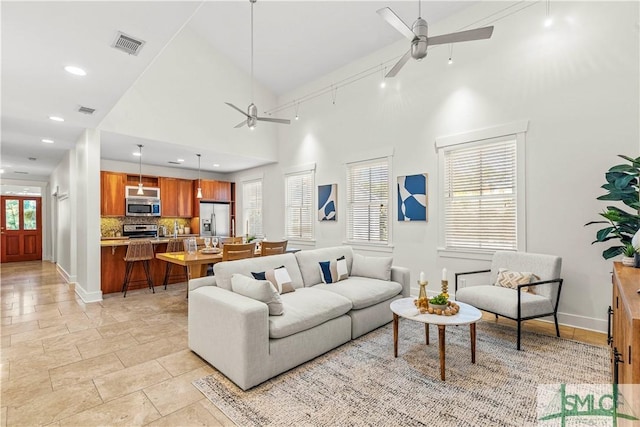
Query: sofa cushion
[
  {"x": 363, "y": 292},
  {"x": 279, "y": 277},
  {"x": 306, "y": 308},
  {"x": 504, "y": 301},
  {"x": 261, "y": 290},
  {"x": 374, "y": 267},
  {"x": 333, "y": 271},
  {"x": 308, "y": 262},
  {"x": 223, "y": 270}
]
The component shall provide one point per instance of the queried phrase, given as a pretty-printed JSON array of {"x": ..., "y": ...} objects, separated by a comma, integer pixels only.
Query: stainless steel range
[{"x": 140, "y": 231}]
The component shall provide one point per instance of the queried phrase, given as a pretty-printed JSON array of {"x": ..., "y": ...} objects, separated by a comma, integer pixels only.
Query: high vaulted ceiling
[{"x": 295, "y": 43}]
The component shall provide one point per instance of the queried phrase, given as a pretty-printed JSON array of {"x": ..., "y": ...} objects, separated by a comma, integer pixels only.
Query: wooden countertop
[
  {"x": 124, "y": 241},
  {"x": 629, "y": 279}
]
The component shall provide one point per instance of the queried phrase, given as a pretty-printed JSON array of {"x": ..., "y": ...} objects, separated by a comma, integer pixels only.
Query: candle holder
[
  {"x": 445, "y": 288},
  {"x": 423, "y": 291}
]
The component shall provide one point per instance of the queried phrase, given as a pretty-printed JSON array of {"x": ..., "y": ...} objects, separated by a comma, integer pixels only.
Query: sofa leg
[
  {"x": 519, "y": 329},
  {"x": 555, "y": 317}
]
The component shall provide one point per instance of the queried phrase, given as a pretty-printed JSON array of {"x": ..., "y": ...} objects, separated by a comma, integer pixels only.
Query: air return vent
[
  {"x": 86, "y": 110},
  {"x": 173, "y": 163},
  {"x": 21, "y": 172},
  {"x": 127, "y": 44}
]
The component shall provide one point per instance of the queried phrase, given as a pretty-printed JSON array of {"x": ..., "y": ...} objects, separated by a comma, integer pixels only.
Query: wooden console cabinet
[{"x": 624, "y": 336}]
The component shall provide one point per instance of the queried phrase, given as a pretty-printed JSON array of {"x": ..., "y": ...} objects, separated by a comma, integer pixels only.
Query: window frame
[
  {"x": 516, "y": 130},
  {"x": 386, "y": 246},
  {"x": 307, "y": 169},
  {"x": 245, "y": 216}
]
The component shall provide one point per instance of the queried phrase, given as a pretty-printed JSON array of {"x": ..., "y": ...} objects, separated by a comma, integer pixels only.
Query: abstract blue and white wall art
[
  {"x": 412, "y": 197},
  {"x": 327, "y": 202}
]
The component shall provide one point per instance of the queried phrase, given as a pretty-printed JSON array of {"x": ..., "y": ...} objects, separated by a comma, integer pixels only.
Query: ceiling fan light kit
[{"x": 252, "y": 110}]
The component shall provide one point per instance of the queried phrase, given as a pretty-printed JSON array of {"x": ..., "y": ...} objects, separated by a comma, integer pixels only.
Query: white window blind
[
  {"x": 252, "y": 207},
  {"x": 368, "y": 201},
  {"x": 480, "y": 202},
  {"x": 299, "y": 211}
]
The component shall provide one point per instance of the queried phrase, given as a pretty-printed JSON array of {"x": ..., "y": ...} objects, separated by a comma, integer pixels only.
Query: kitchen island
[{"x": 112, "y": 269}]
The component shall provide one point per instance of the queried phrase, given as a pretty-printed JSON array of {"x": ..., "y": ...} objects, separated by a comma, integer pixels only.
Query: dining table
[{"x": 196, "y": 262}]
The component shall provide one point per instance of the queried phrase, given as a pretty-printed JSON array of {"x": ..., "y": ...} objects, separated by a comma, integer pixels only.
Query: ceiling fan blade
[
  {"x": 462, "y": 36},
  {"x": 399, "y": 64},
  {"x": 236, "y": 108},
  {"x": 269, "y": 119},
  {"x": 242, "y": 123},
  {"x": 397, "y": 23}
]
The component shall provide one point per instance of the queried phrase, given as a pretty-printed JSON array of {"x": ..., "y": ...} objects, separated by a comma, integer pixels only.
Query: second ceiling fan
[
  {"x": 252, "y": 110},
  {"x": 420, "y": 40}
]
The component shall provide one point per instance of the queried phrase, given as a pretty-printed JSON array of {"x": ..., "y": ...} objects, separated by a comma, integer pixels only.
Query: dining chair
[
  {"x": 232, "y": 240},
  {"x": 273, "y": 248},
  {"x": 232, "y": 251}
]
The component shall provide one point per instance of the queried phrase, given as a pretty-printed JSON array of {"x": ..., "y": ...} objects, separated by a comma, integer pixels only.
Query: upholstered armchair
[{"x": 521, "y": 286}]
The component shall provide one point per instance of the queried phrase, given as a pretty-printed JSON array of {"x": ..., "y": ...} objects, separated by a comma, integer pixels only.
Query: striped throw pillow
[
  {"x": 333, "y": 271},
  {"x": 511, "y": 279}
]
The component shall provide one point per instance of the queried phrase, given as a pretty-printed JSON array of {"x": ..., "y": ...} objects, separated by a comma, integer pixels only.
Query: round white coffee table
[{"x": 468, "y": 315}]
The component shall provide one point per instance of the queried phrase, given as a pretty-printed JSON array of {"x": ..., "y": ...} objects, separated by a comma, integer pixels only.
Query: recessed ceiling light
[
  {"x": 180, "y": 160},
  {"x": 56, "y": 118},
  {"x": 76, "y": 71},
  {"x": 137, "y": 154},
  {"x": 216, "y": 165},
  {"x": 48, "y": 141}
]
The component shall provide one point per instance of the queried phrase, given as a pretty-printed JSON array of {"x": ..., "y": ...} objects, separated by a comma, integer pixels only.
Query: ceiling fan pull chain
[
  {"x": 419, "y": 8},
  {"x": 334, "y": 93}
]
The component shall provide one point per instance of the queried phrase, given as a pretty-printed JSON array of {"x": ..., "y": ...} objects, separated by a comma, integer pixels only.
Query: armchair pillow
[
  {"x": 511, "y": 279},
  {"x": 333, "y": 271},
  {"x": 372, "y": 267},
  {"x": 279, "y": 277},
  {"x": 261, "y": 290}
]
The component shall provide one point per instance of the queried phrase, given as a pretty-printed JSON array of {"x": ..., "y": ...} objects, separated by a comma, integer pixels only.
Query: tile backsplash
[{"x": 111, "y": 226}]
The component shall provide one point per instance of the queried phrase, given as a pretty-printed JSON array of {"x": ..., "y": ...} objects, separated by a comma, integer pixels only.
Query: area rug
[{"x": 361, "y": 383}]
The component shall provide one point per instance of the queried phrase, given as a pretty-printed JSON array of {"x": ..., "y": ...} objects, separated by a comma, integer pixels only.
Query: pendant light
[
  {"x": 199, "y": 194},
  {"x": 140, "y": 192}
]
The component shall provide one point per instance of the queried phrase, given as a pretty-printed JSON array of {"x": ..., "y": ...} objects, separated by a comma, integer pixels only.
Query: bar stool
[
  {"x": 174, "y": 245},
  {"x": 138, "y": 251}
]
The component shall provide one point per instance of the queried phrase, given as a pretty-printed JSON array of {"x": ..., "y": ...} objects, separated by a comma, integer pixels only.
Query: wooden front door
[{"x": 21, "y": 229}]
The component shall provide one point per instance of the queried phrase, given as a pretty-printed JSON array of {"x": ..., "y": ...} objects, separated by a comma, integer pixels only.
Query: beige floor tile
[
  {"x": 20, "y": 328},
  {"x": 51, "y": 360},
  {"x": 5, "y": 342},
  {"x": 131, "y": 410},
  {"x": 148, "y": 351},
  {"x": 84, "y": 370},
  {"x": 4, "y": 321},
  {"x": 20, "y": 391},
  {"x": 64, "y": 319},
  {"x": 3, "y": 417},
  {"x": 4, "y": 372},
  {"x": 39, "y": 334},
  {"x": 72, "y": 339},
  {"x": 181, "y": 362},
  {"x": 193, "y": 415},
  {"x": 119, "y": 328},
  {"x": 91, "y": 349},
  {"x": 20, "y": 310},
  {"x": 21, "y": 350},
  {"x": 55, "y": 406},
  {"x": 152, "y": 333},
  {"x": 216, "y": 412},
  {"x": 178, "y": 392},
  {"x": 126, "y": 381}
]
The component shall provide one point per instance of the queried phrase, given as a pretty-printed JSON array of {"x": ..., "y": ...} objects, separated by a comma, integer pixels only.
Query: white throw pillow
[
  {"x": 261, "y": 290},
  {"x": 372, "y": 267}
]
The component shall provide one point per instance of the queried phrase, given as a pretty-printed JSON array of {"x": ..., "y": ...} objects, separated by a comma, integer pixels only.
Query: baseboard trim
[
  {"x": 88, "y": 296},
  {"x": 67, "y": 277}
]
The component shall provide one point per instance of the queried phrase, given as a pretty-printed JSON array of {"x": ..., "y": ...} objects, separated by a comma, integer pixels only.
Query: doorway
[{"x": 21, "y": 229}]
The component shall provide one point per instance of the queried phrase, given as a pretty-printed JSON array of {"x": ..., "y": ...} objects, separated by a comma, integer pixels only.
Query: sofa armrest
[
  {"x": 402, "y": 275},
  {"x": 202, "y": 281},
  {"x": 467, "y": 273},
  {"x": 231, "y": 332}
]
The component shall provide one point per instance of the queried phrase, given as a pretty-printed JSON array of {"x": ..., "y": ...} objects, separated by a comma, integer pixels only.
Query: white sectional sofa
[{"x": 237, "y": 336}]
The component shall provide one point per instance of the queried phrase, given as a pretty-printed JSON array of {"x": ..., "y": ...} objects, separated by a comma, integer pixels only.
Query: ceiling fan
[
  {"x": 418, "y": 34},
  {"x": 252, "y": 110}
]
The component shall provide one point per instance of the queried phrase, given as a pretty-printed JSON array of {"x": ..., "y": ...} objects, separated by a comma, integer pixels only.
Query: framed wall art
[
  {"x": 327, "y": 202},
  {"x": 412, "y": 197}
]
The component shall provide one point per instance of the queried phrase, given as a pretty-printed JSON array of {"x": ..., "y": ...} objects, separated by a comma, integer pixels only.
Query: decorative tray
[{"x": 210, "y": 250}]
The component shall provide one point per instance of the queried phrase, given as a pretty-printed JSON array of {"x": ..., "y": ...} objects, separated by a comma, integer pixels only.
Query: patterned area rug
[{"x": 361, "y": 383}]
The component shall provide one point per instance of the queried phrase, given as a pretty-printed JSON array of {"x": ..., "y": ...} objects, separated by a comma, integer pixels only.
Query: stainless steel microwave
[{"x": 142, "y": 206}]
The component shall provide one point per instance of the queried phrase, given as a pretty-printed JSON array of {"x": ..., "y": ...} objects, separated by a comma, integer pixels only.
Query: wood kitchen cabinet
[
  {"x": 177, "y": 197},
  {"x": 212, "y": 191},
  {"x": 112, "y": 193}
]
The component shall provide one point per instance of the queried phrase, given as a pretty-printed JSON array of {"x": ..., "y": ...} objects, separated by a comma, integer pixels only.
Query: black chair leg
[
  {"x": 167, "y": 272},
  {"x": 496, "y": 317},
  {"x": 145, "y": 264},
  {"x": 519, "y": 329},
  {"x": 127, "y": 273},
  {"x": 555, "y": 317}
]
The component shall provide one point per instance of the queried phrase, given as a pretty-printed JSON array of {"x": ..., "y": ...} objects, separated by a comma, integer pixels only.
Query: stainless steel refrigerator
[{"x": 215, "y": 219}]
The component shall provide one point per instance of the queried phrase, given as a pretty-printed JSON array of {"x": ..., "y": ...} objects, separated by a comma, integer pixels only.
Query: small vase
[{"x": 629, "y": 261}]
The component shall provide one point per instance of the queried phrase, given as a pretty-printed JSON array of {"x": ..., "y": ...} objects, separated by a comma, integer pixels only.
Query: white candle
[
  {"x": 233, "y": 227},
  {"x": 247, "y": 230},
  {"x": 422, "y": 279},
  {"x": 444, "y": 274}
]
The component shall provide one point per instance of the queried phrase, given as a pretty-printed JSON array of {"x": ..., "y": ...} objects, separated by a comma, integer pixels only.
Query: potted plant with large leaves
[{"x": 622, "y": 186}]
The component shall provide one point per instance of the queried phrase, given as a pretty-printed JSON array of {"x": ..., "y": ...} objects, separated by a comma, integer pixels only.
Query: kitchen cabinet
[
  {"x": 177, "y": 197},
  {"x": 212, "y": 191},
  {"x": 112, "y": 193}
]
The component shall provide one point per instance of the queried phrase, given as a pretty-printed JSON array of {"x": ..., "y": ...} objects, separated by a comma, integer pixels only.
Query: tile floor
[{"x": 116, "y": 362}]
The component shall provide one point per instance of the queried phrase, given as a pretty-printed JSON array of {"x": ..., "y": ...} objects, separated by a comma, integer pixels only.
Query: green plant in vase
[{"x": 622, "y": 186}]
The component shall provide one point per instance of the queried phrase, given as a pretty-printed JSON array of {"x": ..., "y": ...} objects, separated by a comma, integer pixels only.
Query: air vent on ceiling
[
  {"x": 21, "y": 172},
  {"x": 127, "y": 44},
  {"x": 33, "y": 159},
  {"x": 173, "y": 163},
  {"x": 86, "y": 110}
]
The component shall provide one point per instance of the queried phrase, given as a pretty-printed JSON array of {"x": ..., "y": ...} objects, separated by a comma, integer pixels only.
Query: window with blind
[
  {"x": 252, "y": 207},
  {"x": 368, "y": 201},
  {"x": 480, "y": 195},
  {"x": 299, "y": 211}
]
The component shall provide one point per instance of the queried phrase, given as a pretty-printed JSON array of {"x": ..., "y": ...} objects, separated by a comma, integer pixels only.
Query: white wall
[
  {"x": 576, "y": 83},
  {"x": 64, "y": 227},
  {"x": 133, "y": 168}
]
